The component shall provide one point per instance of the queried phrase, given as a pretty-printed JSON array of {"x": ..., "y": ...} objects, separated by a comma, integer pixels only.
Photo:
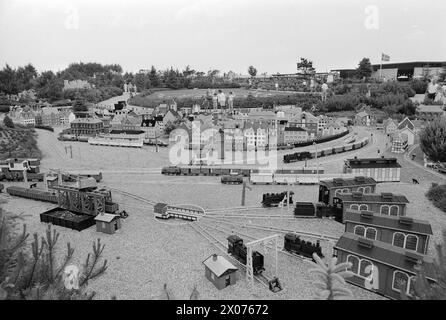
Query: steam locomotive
[
  {"x": 274, "y": 199},
  {"x": 293, "y": 244},
  {"x": 238, "y": 250}
]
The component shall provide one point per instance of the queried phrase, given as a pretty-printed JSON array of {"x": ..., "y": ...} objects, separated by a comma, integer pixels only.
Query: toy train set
[
  {"x": 293, "y": 244},
  {"x": 275, "y": 199},
  {"x": 306, "y": 155},
  {"x": 232, "y": 179},
  {"x": 238, "y": 250},
  {"x": 205, "y": 170},
  {"x": 13, "y": 170}
]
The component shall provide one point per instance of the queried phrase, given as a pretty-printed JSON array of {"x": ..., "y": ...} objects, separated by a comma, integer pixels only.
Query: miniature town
[{"x": 234, "y": 190}]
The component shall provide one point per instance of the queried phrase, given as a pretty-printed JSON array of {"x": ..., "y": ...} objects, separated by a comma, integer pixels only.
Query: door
[{"x": 227, "y": 281}]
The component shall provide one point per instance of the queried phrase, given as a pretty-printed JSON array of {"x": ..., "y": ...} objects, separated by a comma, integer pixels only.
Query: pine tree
[
  {"x": 425, "y": 289},
  {"x": 433, "y": 140},
  {"x": 331, "y": 278},
  {"x": 8, "y": 122},
  {"x": 37, "y": 272},
  {"x": 364, "y": 69}
]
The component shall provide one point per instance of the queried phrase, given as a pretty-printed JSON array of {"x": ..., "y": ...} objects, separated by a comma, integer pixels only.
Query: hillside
[{"x": 18, "y": 142}]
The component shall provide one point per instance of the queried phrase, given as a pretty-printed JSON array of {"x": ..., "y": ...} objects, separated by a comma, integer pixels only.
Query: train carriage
[
  {"x": 171, "y": 170},
  {"x": 215, "y": 171},
  {"x": 293, "y": 244},
  {"x": 246, "y": 172},
  {"x": 206, "y": 171},
  {"x": 261, "y": 178},
  {"x": 195, "y": 170},
  {"x": 327, "y": 151},
  {"x": 348, "y": 147},
  {"x": 184, "y": 171},
  {"x": 225, "y": 171},
  {"x": 338, "y": 149}
]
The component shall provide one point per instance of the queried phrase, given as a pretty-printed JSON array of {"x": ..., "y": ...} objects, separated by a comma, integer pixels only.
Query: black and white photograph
[{"x": 223, "y": 155}]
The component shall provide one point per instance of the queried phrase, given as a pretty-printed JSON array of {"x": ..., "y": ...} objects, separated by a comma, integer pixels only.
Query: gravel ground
[{"x": 145, "y": 254}]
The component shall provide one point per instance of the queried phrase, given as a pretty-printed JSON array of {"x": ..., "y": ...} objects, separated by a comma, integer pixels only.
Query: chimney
[{"x": 214, "y": 257}]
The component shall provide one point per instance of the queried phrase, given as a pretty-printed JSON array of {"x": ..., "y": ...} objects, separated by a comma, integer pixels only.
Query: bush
[
  {"x": 437, "y": 194},
  {"x": 8, "y": 122},
  {"x": 419, "y": 86},
  {"x": 433, "y": 140}
]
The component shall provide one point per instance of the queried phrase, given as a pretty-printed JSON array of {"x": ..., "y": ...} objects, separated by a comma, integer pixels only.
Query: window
[
  {"x": 364, "y": 263},
  {"x": 399, "y": 239},
  {"x": 355, "y": 263},
  {"x": 345, "y": 190},
  {"x": 363, "y": 207},
  {"x": 338, "y": 191},
  {"x": 103, "y": 225},
  {"x": 367, "y": 190},
  {"x": 359, "y": 230},
  {"x": 394, "y": 210},
  {"x": 411, "y": 242},
  {"x": 354, "y": 207},
  {"x": 371, "y": 233},
  {"x": 384, "y": 209},
  {"x": 360, "y": 189},
  {"x": 400, "y": 280}
]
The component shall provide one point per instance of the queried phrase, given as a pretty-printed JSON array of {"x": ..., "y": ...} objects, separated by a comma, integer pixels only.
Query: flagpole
[{"x": 381, "y": 68}]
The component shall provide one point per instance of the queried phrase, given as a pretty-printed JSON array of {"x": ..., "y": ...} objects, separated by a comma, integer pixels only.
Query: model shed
[
  {"x": 383, "y": 203},
  {"x": 403, "y": 232},
  {"x": 381, "y": 169},
  {"x": 329, "y": 189},
  {"x": 107, "y": 223},
  {"x": 220, "y": 271},
  {"x": 381, "y": 267}
]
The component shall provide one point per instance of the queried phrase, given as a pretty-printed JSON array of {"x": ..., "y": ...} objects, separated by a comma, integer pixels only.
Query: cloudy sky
[{"x": 220, "y": 34}]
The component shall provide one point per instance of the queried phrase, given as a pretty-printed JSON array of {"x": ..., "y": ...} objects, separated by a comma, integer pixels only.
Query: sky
[{"x": 226, "y": 35}]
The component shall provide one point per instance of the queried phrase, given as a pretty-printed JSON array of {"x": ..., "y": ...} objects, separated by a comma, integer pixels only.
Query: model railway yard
[{"x": 145, "y": 253}]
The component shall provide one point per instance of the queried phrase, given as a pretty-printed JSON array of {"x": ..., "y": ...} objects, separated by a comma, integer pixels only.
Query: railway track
[
  {"x": 234, "y": 208},
  {"x": 319, "y": 236},
  {"x": 228, "y": 231},
  {"x": 134, "y": 196},
  {"x": 222, "y": 247},
  {"x": 252, "y": 216}
]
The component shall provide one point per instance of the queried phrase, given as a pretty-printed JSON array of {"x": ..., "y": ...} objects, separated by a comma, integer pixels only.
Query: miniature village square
[{"x": 127, "y": 174}]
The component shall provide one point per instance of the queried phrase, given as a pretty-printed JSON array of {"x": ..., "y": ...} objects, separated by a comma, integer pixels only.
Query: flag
[{"x": 385, "y": 57}]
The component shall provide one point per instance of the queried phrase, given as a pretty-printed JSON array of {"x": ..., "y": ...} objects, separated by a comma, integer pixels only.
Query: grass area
[
  {"x": 18, "y": 142},
  {"x": 165, "y": 95}
]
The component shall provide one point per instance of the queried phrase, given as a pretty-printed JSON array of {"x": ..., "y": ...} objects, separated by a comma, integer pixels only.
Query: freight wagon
[{"x": 34, "y": 194}]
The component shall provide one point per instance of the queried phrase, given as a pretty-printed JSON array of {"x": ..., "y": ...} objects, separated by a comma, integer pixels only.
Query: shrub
[
  {"x": 8, "y": 122},
  {"x": 433, "y": 140},
  {"x": 437, "y": 194},
  {"x": 419, "y": 86}
]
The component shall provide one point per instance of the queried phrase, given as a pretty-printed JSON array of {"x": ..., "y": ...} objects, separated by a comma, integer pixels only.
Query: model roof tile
[
  {"x": 389, "y": 222},
  {"x": 373, "y": 197},
  {"x": 385, "y": 253}
]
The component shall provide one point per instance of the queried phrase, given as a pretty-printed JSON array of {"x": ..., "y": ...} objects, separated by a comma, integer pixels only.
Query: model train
[
  {"x": 305, "y": 155},
  {"x": 195, "y": 170},
  {"x": 12, "y": 169},
  {"x": 232, "y": 179},
  {"x": 239, "y": 251},
  {"x": 293, "y": 244},
  {"x": 305, "y": 175},
  {"x": 274, "y": 199}
]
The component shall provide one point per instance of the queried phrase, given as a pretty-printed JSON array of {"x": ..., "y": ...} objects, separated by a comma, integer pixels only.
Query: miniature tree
[
  {"x": 38, "y": 272},
  {"x": 424, "y": 289},
  {"x": 433, "y": 140},
  {"x": 331, "y": 278},
  {"x": 167, "y": 294},
  {"x": 8, "y": 122}
]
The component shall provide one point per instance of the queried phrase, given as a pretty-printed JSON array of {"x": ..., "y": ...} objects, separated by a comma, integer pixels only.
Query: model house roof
[
  {"x": 219, "y": 265},
  {"x": 406, "y": 123},
  {"x": 348, "y": 182},
  {"x": 86, "y": 120},
  {"x": 384, "y": 197},
  {"x": 389, "y": 121},
  {"x": 385, "y": 253},
  {"x": 405, "y": 224},
  {"x": 105, "y": 217},
  {"x": 295, "y": 129},
  {"x": 372, "y": 163}
]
